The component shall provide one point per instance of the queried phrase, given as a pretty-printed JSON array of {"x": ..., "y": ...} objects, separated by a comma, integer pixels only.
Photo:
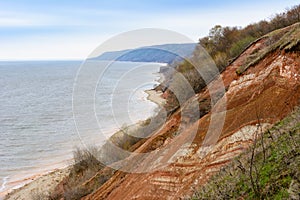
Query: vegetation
[
  {"x": 88, "y": 173},
  {"x": 223, "y": 45},
  {"x": 129, "y": 138},
  {"x": 283, "y": 39},
  {"x": 85, "y": 166},
  {"x": 268, "y": 170}
]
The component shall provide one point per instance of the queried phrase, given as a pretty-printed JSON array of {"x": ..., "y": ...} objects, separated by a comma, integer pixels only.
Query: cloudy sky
[{"x": 52, "y": 29}]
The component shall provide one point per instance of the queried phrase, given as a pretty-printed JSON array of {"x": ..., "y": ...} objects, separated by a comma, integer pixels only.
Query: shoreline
[
  {"x": 45, "y": 181},
  {"x": 20, "y": 181},
  {"x": 155, "y": 97},
  {"x": 38, "y": 184}
]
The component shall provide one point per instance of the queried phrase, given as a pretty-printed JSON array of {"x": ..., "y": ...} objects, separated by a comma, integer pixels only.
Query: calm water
[{"x": 37, "y": 130}]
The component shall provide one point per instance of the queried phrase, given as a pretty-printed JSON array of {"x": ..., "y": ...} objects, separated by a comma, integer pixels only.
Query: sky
[{"x": 71, "y": 30}]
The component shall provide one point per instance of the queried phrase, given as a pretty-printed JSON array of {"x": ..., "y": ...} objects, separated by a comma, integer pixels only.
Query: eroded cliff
[{"x": 262, "y": 93}]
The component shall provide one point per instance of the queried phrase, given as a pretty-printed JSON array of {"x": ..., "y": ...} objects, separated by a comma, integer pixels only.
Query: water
[{"x": 37, "y": 130}]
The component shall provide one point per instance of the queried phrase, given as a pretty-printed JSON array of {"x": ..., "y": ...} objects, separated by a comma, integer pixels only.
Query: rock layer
[{"x": 265, "y": 93}]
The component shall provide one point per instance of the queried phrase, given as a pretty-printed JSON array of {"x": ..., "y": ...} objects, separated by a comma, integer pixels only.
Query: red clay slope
[{"x": 267, "y": 90}]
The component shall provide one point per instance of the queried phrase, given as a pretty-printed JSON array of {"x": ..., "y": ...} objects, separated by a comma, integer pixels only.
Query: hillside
[
  {"x": 268, "y": 170},
  {"x": 263, "y": 93},
  {"x": 167, "y": 53},
  {"x": 262, "y": 87}
]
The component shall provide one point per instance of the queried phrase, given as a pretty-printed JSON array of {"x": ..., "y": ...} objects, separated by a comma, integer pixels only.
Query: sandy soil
[
  {"x": 40, "y": 187},
  {"x": 155, "y": 97}
]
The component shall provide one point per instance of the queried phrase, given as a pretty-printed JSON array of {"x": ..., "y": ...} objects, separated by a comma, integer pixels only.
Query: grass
[
  {"x": 276, "y": 177},
  {"x": 283, "y": 39}
]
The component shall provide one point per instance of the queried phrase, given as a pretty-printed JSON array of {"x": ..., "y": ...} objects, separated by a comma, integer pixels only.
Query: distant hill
[{"x": 166, "y": 53}]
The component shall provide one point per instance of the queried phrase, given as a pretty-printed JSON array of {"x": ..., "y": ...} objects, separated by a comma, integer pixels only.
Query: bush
[
  {"x": 86, "y": 159},
  {"x": 239, "y": 46},
  {"x": 225, "y": 43},
  {"x": 85, "y": 166}
]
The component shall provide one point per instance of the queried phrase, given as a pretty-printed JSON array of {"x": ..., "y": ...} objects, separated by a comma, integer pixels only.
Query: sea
[{"x": 38, "y": 128}]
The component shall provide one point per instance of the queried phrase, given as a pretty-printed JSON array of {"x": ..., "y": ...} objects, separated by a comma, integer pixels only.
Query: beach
[
  {"x": 45, "y": 183},
  {"x": 43, "y": 176},
  {"x": 38, "y": 185},
  {"x": 155, "y": 97}
]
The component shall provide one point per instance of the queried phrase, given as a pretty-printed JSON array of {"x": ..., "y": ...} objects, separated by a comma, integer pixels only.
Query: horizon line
[{"x": 36, "y": 60}]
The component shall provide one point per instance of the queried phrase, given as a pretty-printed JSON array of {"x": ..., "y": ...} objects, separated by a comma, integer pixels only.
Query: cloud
[
  {"x": 60, "y": 17},
  {"x": 23, "y": 19},
  {"x": 58, "y": 30}
]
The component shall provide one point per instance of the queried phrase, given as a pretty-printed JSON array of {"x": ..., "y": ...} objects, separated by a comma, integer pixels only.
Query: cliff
[{"x": 262, "y": 87}]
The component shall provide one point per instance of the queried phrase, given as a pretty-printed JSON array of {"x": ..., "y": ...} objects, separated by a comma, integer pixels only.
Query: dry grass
[
  {"x": 276, "y": 174},
  {"x": 287, "y": 39}
]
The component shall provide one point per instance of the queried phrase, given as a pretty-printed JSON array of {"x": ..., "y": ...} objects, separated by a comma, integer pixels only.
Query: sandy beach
[
  {"x": 155, "y": 97},
  {"x": 45, "y": 182},
  {"x": 42, "y": 184},
  {"x": 37, "y": 186}
]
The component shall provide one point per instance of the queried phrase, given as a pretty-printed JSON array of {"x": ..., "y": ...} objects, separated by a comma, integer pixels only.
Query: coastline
[
  {"x": 155, "y": 97},
  {"x": 22, "y": 180},
  {"x": 38, "y": 184},
  {"x": 45, "y": 181}
]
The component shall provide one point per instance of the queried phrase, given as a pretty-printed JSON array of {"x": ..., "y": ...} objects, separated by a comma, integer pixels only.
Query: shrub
[
  {"x": 276, "y": 177},
  {"x": 86, "y": 159}
]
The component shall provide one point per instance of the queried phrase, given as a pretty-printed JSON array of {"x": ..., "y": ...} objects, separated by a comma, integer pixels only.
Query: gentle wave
[
  {"x": 36, "y": 120},
  {"x": 4, "y": 182}
]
